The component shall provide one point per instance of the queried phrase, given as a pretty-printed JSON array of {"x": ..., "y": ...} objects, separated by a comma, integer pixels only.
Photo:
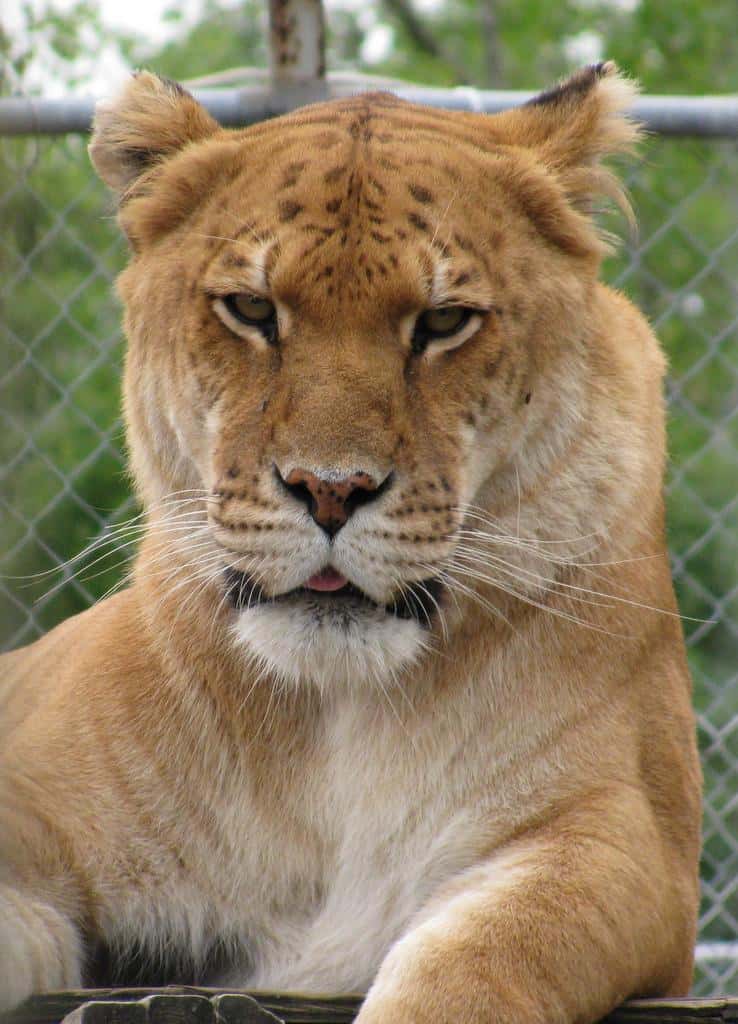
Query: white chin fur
[{"x": 305, "y": 642}]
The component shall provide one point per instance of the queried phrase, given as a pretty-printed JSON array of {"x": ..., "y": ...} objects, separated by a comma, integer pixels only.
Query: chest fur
[{"x": 307, "y": 885}]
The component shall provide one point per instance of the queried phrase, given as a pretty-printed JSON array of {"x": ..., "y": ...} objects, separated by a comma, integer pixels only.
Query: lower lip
[{"x": 326, "y": 581}]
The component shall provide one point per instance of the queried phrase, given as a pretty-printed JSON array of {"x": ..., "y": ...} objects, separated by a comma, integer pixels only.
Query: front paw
[
  {"x": 391, "y": 1010},
  {"x": 39, "y": 949}
]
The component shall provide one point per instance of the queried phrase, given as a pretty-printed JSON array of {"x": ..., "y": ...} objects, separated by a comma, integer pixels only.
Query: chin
[{"x": 328, "y": 641}]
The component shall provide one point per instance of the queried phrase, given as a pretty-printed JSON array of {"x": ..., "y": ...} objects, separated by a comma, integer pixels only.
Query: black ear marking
[{"x": 574, "y": 87}]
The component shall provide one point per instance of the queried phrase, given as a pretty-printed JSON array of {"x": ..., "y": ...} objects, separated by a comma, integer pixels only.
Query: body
[{"x": 478, "y": 801}]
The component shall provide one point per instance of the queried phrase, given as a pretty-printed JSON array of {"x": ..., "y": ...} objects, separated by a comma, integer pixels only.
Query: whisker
[
  {"x": 109, "y": 537},
  {"x": 526, "y": 599},
  {"x": 453, "y": 583},
  {"x": 511, "y": 569},
  {"x": 82, "y": 572}
]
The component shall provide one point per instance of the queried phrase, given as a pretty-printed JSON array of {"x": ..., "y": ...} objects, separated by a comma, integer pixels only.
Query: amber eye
[
  {"x": 443, "y": 322},
  {"x": 250, "y": 309}
]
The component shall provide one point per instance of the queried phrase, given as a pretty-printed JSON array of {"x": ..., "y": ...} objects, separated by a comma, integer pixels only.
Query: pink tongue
[{"x": 328, "y": 579}]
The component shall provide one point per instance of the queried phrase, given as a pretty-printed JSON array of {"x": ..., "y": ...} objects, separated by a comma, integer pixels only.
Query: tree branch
[{"x": 423, "y": 38}]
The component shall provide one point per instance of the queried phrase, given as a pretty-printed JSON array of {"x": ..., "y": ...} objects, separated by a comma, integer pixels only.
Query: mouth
[{"x": 330, "y": 589}]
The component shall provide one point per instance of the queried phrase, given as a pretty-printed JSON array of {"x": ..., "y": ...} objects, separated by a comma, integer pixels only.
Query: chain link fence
[{"x": 63, "y": 480}]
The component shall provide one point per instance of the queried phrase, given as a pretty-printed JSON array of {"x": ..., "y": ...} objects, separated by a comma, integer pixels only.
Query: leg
[
  {"x": 559, "y": 927},
  {"x": 40, "y": 948}
]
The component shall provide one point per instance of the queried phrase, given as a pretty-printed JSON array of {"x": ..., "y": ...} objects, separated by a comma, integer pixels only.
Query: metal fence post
[{"x": 297, "y": 49}]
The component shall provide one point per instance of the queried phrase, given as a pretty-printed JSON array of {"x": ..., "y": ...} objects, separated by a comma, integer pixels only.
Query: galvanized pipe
[{"x": 699, "y": 116}]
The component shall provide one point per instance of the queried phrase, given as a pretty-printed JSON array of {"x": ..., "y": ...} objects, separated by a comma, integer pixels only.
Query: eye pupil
[
  {"x": 442, "y": 322},
  {"x": 250, "y": 308},
  {"x": 444, "y": 319}
]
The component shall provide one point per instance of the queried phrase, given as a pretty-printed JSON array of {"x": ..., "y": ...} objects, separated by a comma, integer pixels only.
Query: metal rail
[{"x": 700, "y": 116}]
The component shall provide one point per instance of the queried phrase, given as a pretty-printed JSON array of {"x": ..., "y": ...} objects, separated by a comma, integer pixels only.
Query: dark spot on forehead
[
  {"x": 292, "y": 173},
  {"x": 320, "y": 229},
  {"x": 419, "y": 222},
  {"x": 422, "y": 195},
  {"x": 382, "y": 239},
  {"x": 334, "y": 174},
  {"x": 333, "y": 205},
  {"x": 360, "y": 127},
  {"x": 288, "y": 210},
  {"x": 249, "y": 228}
]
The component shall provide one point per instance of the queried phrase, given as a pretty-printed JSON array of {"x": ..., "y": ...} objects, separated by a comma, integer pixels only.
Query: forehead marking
[
  {"x": 422, "y": 195},
  {"x": 335, "y": 174},
  {"x": 288, "y": 210},
  {"x": 419, "y": 222},
  {"x": 293, "y": 172},
  {"x": 377, "y": 185}
]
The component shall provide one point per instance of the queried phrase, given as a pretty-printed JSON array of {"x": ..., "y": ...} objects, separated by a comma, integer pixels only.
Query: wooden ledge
[{"x": 177, "y": 1005}]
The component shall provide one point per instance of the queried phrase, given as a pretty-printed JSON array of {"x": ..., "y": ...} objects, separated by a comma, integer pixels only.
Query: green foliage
[{"x": 224, "y": 37}]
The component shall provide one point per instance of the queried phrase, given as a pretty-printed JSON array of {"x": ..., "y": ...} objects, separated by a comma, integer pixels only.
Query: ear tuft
[
  {"x": 152, "y": 119},
  {"x": 576, "y": 86},
  {"x": 582, "y": 119},
  {"x": 576, "y": 125}
]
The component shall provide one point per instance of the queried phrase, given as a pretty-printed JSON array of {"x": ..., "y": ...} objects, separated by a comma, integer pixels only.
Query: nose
[{"x": 332, "y": 502}]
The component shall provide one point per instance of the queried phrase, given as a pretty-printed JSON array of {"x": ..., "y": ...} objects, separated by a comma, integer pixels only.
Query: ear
[
  {"x": 152, "y": 119},
  {"x": 574, "y": 126}
]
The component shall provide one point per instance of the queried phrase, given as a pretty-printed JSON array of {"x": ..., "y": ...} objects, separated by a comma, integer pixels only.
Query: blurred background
[{"x": 63, "y": 479}]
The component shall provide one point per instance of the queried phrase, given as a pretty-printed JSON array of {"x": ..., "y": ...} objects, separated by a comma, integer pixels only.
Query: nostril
[
  {"x": 298, "y": 488},
  {"x": 302, "y": 493},
  {"x": 331, "y": 500},
  {"x": 363, "y": 494}
]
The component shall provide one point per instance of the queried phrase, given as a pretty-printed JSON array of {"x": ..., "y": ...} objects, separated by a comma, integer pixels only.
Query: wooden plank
[
  {"x": 108, "y": 1012},
  {"x": 676, "y": 1011},
  {"x": 239, "y": 1008},
  {"x": 291, "y": 1008},
  {"x": 183, "y": 1005}
]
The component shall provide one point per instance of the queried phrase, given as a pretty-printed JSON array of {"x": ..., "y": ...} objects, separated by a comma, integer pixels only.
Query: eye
[
  {"x": 250, "y": 309},
  {"x": 442, "y": 322}
]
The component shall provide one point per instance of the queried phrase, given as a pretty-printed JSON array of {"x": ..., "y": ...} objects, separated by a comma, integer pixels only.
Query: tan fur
[{"x": 495, "y": 818}]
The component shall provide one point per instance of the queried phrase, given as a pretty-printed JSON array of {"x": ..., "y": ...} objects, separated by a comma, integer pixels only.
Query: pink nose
[{"x": 331, "y": 502}]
